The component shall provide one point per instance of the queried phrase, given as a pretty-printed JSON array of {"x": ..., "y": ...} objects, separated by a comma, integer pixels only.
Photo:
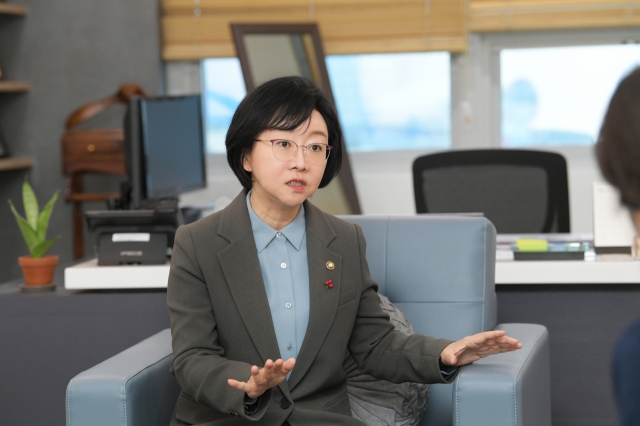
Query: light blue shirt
[{"x": 285, "y": 271}]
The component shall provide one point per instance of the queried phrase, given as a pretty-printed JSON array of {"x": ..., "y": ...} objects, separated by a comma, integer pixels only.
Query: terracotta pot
[{"x": 38, "y": 271}]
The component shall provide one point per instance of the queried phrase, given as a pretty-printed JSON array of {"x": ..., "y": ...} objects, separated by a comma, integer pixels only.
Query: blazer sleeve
[
  {"x": 199, "y": 363},
  {"x": 384, "y": 353}
]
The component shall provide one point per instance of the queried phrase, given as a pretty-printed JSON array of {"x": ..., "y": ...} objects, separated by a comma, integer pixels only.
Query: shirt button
[
  {"x": 290, "y": 347},
  {"x": 279, "y": 234},
  {"x": 283, "y": 265},
  {"x": 288, "y": 305}
]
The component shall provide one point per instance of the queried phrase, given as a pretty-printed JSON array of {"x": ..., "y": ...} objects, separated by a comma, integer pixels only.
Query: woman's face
[{"x": 284, "y": 185}]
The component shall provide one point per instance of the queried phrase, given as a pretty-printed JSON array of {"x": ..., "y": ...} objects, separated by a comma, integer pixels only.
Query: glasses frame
[{"x": 305, "y": 147}]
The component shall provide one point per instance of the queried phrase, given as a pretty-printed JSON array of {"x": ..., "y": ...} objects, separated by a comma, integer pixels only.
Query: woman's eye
[
  {"x": 283, "y": 144},
  {"x": 315, "y": 147}
]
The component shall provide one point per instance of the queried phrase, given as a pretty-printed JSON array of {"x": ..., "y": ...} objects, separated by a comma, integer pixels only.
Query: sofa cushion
[{"x": 381, "y": 403}]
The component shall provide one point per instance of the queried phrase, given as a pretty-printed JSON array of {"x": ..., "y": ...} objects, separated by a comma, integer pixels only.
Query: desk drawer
[{"x": 98, "y": 151}]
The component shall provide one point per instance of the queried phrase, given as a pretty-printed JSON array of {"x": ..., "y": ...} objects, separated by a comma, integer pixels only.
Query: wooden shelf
[
  {"x": 12, "y": 9},
  {"x": 15, "y": 163},
  {"x": 13, "y": 86}
]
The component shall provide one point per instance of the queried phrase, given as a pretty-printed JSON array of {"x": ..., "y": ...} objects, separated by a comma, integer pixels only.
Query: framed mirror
[{"x": 268, "y": 51}]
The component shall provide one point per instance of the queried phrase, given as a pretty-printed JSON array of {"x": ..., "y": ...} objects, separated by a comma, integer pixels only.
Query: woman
[
  {"x": 618, "y": 151},
  {"x": 267, "y": 296}
]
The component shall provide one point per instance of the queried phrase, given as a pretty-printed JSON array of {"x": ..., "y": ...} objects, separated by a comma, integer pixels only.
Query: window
[
  {"x": 385, "y": 101},
  {"x": 393, "y": 101},
  {"x": 558, "y": 95},
  {"x": 223, "y": 89}
]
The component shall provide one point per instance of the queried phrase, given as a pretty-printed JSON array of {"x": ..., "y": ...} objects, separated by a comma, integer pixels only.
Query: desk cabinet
[
  {"x": 46, "y": 339},
  {"x": 49, "y": 338}
]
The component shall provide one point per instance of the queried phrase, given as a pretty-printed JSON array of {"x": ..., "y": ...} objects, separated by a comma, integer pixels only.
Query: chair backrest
[
  {"x": 519, "y": 191},
  {"x": 439, "y": 271}
]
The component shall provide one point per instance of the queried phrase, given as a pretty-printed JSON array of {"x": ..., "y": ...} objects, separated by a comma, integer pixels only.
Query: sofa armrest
[
  {"x": 512, "y": 388},
  {"x": 133, "y": 388}
]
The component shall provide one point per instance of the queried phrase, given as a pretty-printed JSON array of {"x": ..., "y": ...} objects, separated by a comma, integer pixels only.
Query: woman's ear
[{"x": 246, "y": 163}]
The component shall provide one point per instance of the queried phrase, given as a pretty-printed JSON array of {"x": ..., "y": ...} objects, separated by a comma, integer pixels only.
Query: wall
[{"x": 72, "y": 52}]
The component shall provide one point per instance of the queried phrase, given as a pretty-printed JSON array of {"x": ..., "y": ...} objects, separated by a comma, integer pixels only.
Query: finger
[
  {"x": 238, "y": 385},
  {"x": 510, "y": 348},
  {"x": 254, "y": 370},
  {"x": 256, "y": 376},
  {"x": 511, "y": 345},
  {"x": 267, "y": 370},
  {"x": 277, "y": 367},
  {"x": 506, "y": 339},
  {"x": 288, "y": 365}
]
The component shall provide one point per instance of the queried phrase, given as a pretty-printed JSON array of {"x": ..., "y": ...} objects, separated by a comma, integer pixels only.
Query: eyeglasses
[{"x": 285, "y": 150}]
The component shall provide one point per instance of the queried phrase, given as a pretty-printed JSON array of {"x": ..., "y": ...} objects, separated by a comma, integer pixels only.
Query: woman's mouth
[{"x": 298, "y": 185}]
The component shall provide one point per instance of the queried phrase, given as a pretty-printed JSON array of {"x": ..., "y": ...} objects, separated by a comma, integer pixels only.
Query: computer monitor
[{"x": 164, "y": 144}]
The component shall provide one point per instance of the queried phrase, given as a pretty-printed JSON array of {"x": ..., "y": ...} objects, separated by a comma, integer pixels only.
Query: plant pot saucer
[{"x": 37, "y": 288}]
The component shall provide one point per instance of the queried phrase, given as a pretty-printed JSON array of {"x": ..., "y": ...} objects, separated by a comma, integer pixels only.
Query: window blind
[
  {"x": 513, "y": 15},
  {"x": 198, "y": 29}
]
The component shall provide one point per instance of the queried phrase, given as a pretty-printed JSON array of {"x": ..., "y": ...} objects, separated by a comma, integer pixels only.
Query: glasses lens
[
  {"x": 317, "y": 153},
  {"x": 284, "y": 150}
]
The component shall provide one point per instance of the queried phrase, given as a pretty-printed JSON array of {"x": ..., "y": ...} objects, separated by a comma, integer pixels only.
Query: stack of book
[{"x": 537, "y": 249}]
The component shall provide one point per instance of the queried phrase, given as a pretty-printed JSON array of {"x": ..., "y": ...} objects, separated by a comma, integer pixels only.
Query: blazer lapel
[
  {"x": 241, "y": 268},
  {"x": 323, "y": 303}
]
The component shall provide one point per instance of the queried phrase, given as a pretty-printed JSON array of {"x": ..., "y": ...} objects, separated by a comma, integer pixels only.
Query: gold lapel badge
[{"x": 330, "y": 265}]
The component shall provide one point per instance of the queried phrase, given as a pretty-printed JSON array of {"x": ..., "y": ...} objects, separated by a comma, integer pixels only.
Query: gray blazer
[{"x": 221, "y": 325}]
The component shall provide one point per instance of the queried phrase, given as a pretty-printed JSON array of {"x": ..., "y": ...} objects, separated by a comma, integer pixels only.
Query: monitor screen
[{"x": 172, "y": 145}]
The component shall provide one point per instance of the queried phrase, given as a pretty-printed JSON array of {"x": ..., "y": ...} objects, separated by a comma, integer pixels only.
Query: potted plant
[{"x": 37, "y": 268}]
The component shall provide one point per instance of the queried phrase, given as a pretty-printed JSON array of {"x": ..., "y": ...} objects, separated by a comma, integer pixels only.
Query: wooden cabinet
[{"x": 96, "y": 151}]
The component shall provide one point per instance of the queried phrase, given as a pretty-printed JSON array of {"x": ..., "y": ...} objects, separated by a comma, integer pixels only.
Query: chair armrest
[
  {"x": 133, "y": 388},
  {"x": 512, "y": 388}
]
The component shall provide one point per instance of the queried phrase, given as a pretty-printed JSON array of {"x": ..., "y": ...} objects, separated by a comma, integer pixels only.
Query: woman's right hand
[{"x": 262, "y": 379}]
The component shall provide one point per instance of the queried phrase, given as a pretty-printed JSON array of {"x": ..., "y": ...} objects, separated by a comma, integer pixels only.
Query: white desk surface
[
  {"x": 603, "y": 270},
  {"x": 89, "y": 276}
]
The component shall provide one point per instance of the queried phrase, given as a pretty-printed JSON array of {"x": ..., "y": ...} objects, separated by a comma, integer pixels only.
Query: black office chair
[{"x": 520, "y": 191}]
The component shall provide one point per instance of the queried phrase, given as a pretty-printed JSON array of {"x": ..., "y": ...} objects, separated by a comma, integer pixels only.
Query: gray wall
[{"x": 72, "y": 52}]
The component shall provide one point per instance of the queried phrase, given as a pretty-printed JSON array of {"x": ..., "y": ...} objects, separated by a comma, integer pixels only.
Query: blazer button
[{"x": 284, "y": 403}]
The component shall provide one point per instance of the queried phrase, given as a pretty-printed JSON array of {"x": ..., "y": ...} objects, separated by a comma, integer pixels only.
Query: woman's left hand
[{"x": 480, "y": 345}]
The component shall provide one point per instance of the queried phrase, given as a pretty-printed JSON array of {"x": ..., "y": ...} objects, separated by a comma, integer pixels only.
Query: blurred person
[{"x": 618, "y": 152}]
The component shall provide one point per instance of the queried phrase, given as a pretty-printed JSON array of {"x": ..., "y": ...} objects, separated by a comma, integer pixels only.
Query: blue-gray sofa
[{"x": 439, "y": 270}]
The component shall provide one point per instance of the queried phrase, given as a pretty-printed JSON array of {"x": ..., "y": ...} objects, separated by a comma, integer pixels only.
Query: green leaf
[
  {"x": 39, "y": 250},
  {"x": 45, "y": 215},
  {"x": 29, "y": 234},
  {"x": 30, "y": 205}
]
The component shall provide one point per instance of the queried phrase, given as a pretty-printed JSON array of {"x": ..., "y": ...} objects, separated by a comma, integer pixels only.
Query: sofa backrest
[{"x": 439, "y": 270}]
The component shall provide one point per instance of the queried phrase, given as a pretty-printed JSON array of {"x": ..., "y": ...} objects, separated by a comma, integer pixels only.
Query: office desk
[
  {"x": 585, "y": 305},
  {"x": 48, "y": 338}
]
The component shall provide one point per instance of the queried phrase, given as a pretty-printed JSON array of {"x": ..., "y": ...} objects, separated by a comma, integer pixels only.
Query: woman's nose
[{"x": 300, "y": 159}]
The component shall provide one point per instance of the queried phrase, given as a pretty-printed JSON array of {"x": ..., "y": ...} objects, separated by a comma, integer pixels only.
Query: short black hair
[
  {"x": 284, "y": 103},
  {"x": 618, "y": 147}
]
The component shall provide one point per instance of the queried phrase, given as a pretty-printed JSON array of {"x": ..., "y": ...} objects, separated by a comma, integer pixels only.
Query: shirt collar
[{"x": 263, "y": 234}]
